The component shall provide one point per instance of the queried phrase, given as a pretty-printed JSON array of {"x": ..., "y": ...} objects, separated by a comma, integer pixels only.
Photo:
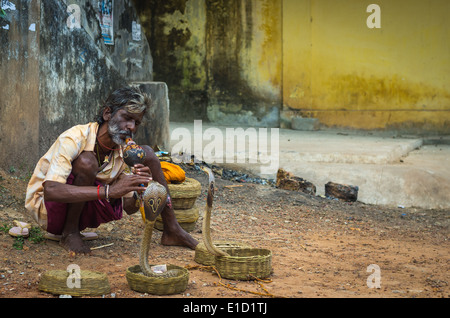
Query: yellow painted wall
[
  {"x": 244, "y": 62},
  {"x": 261, "y": 59},
  {"x": 345, "y": 74}
]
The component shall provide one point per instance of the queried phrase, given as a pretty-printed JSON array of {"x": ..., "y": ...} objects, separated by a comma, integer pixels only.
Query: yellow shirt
[{"x": 56, "y": 165}]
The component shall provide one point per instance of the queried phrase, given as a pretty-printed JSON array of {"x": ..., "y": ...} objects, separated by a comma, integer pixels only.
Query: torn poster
[
  {"x": 105, "y": 16},
  {"x": 136, "y": 31},
  {"x": 7, "y": 5}
]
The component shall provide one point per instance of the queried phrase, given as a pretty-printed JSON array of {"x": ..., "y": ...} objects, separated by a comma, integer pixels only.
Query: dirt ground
[{"x": 321, "y": 248}]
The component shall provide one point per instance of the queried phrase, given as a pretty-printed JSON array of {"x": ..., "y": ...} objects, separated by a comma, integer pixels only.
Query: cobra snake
[
  {"x": 154, "y": 199},
  {"x": 152, "y": 202},
  {"x": 207, "y": 217}
]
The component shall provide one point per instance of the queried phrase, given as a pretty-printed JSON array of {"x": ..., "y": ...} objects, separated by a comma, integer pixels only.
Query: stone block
[
  {"x": 287, "y": 181},
  {"x": 342, "y": 192},
  {"x": 155, "y": 129}
]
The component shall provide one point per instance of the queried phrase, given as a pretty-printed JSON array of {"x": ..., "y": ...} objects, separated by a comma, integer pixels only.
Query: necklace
[
  {"x": 106, "y": 161},
  {"x": 103, "y": 146}
]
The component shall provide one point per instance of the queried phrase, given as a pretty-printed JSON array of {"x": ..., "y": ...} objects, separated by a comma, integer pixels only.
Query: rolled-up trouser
[{"x": 94, "y": 212}]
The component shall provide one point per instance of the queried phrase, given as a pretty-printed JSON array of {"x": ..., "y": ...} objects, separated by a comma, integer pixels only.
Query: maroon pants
[{"x": 94, "y": 213}]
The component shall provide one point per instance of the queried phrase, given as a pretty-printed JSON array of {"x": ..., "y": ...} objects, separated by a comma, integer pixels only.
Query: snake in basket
[
  {"x": 152, "y": 202},
  {"x": 207, "y": 217},
  {"x": 154, "y": 198}
]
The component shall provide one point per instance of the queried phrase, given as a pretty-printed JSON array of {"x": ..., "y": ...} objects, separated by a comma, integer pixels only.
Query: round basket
[
  {"x": 184, "y": 194},
  {"x": 157, "y": 285},
  {"x": 87, "y": 283},
  {"x": 244, "y": 263},
  {"x": 202, "y": 256},
  {"x": 186, "y": 218}
]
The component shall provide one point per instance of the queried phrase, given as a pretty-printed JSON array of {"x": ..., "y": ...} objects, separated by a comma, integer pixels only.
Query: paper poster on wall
[
  {"x": 4, "y": 6},
  {"x": 105, "y": 16},
  {"x": 7, "y": 5},
  {"x": 136, "y": 31}
]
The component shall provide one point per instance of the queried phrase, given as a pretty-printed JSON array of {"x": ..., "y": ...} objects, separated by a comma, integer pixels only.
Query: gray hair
[{"x": 130, "y": 98}]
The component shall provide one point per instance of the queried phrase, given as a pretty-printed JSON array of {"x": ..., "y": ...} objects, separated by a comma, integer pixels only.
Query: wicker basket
[
  {"x": 202, "y": 256},
  {"x": 184, "y": 194},
  {"x": 186, "y": 218},
  {"x": 157, "y": 285},
  {"x": 57, "y": 282},
  {"x": 244, "y": 263}
]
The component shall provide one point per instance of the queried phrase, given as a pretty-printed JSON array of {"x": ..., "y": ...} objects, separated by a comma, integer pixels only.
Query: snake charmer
[{"x": 82, "y": 181}]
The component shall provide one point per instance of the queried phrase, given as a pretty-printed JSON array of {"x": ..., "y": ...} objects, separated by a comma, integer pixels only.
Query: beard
[{"x": 118, "y": 135}]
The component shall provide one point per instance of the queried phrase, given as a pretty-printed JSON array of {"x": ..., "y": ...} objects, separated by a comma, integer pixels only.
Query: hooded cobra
[
  {"x": 153, "y": 201},
  {"x": 207, "y": 217}
]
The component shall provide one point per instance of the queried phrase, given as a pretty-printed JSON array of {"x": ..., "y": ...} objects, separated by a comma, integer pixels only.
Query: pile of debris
[
  {"x": 232, "y": 175},
  {"x": 285, "y": 180},
  {"x": 344, "y": 192}
]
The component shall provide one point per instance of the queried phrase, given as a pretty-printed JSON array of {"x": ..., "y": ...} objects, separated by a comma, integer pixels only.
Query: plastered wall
[
  {"x": 265, "y": 62},
  {"x": 338, "y": 69},
  {"x": 58, "y": 66}
]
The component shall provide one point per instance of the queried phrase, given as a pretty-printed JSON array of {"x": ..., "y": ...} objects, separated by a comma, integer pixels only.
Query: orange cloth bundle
[{"x": 172, "y": 172}]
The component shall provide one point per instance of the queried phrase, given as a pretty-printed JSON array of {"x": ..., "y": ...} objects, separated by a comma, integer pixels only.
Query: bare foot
[
  {"x": 177, "y": 236},
  {"x": 73, "y": 242}
]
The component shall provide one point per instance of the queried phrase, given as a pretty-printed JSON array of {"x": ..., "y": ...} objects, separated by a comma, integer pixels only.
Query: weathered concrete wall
[
  {"x": 345, "y": 74},
  {"x": 77, "y": 69},
  {"x": 244, "y": 62},
  {"x": 176, "y": 32},
  {"x": 155, "y": 130},
  {"x": 19, "y": 84},
  {"x": 220, "y": 58},
  {"x": 55, "y": 76},
  {"x": 241, "y": 62}
]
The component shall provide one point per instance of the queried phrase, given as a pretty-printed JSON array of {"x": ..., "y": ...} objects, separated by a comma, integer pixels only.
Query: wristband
[
  {"x": 98, "y": 192},
  {"x": 107, "y": 192}
]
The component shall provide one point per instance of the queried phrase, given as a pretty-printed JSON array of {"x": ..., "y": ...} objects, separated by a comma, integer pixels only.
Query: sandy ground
[{"x": 321, "y": 248}]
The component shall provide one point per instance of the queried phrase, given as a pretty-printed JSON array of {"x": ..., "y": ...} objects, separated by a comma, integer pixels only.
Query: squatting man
[{"x": 81, "y": 182}]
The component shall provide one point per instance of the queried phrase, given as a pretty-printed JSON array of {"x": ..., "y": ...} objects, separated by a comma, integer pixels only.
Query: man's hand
[
  {"x": 128, "y": 183},
  {"x": 141, "y": 170},
  {"x": 130, "y": 203}
]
